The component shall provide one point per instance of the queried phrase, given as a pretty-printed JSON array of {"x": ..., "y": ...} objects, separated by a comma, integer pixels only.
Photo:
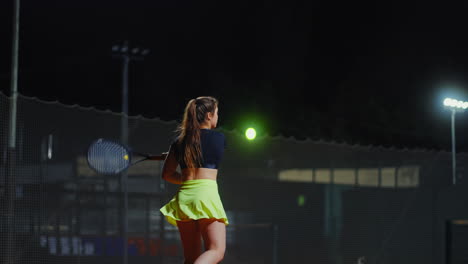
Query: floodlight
[{"x": 455, "y": 104}]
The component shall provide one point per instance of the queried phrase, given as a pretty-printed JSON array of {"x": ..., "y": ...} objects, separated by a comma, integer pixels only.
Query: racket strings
[{"x": 108, "y": 157}]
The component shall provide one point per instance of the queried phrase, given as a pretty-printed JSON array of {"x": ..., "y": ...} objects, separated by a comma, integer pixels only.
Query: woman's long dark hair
[{"x": 189, "y": 130}]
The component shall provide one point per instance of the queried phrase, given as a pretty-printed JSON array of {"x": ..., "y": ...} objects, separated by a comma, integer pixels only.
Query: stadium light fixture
[
  {"x": 126, "y": 51},
  {"x": 454, "y": 106}
]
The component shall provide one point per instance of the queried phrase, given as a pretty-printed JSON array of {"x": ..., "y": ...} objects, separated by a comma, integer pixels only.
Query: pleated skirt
[{"x": 195, "y": 199}]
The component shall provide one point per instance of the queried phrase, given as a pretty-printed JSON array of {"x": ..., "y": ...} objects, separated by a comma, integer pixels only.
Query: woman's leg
[
  {"x": 214, "y": 236},
  {"x": 191, "y": 240}
]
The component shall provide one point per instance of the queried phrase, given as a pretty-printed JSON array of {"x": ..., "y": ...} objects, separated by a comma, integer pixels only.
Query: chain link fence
[{"x": 288, "y": 201}]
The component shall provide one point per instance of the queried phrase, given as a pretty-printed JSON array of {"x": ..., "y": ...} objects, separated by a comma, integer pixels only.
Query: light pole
[
  {"x": 126, "y": 53},
  {"x": 10, "y": 180},
  {"x": 454, "y": 106}
]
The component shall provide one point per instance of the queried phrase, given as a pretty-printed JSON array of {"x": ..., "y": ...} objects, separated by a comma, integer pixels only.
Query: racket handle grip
[{"x": 158, "y": 157}]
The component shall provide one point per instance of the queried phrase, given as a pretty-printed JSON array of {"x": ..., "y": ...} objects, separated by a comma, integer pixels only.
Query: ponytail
[{"x": 189, "y": 129}]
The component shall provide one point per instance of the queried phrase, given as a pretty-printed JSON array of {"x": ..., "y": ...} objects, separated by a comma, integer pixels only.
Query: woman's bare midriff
[{"x": 199, "y": 173}]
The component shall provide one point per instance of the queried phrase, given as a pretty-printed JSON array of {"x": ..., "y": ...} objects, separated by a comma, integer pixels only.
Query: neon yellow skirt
[{"x": 196, "y": 199}]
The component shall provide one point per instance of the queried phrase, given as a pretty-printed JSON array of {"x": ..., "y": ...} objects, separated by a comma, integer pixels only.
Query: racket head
[{"x": 108, "y": 157}]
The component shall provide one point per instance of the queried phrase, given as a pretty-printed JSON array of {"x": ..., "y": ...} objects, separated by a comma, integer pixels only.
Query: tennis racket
[{"x": 110, "y": 157}]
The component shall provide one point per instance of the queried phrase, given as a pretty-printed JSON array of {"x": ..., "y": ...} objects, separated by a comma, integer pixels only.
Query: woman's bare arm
[{"x": 169, "y": 172}]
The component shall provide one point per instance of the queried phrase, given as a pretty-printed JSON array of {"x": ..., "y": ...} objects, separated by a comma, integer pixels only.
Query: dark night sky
[{"x": 364, "y": 72}]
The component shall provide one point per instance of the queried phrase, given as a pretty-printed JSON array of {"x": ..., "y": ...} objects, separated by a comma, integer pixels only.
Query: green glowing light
[
  {"x": 301, "y": 200},
  {"x": 250, "y": 134}
]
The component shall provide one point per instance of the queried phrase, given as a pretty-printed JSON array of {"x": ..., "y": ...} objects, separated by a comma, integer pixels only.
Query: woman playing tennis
[{"x": 197, "y": 209}]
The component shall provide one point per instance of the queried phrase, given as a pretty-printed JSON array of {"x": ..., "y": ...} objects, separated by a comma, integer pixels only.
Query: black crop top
[{"x": 212, "y": 149}]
